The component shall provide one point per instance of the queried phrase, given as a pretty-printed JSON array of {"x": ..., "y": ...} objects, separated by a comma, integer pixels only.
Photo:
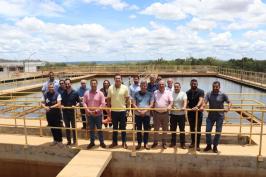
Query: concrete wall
[
  {"x": 34, "y": 161},
  {"x": 171, "y": 165}
]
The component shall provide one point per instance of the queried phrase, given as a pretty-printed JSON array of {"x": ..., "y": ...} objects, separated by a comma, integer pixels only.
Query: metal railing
[{"x": 257, "y": 107}]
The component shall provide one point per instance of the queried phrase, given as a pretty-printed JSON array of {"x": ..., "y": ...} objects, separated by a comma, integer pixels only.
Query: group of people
[{"x": 153, "y": 102}]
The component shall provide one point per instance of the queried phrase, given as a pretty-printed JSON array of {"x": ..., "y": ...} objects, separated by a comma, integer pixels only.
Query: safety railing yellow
[{"x": 257, "y": 108}]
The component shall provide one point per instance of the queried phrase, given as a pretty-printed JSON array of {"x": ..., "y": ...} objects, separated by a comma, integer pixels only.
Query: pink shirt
[
  {"x": 94, "y": 99},
  {"x": 162, "y": 99}
]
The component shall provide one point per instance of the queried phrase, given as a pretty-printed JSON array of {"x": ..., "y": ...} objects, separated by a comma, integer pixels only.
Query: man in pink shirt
[
  {"x": 94, "y": 98},
  {"x": 163, "y": 99}
]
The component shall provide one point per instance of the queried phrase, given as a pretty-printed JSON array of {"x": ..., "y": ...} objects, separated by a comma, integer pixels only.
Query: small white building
[{"x": 7, "y": 67}]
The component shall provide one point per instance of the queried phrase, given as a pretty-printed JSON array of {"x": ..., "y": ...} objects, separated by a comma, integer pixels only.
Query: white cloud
[
  {"x": 250, "y": 13},
  {"x": 115, "y": 4},
  {"x": 198, "y": 24},
  {"x": 166, "y": 11},
  {"x": 19, "y": 8},
  {"x": 96, "y": 42}
]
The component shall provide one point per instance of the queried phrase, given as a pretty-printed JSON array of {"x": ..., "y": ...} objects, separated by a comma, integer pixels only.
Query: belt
[{"x": 162, "y": 112}]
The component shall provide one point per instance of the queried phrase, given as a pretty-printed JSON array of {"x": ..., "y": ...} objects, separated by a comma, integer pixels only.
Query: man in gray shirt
[{"x": 216, "y": 100}]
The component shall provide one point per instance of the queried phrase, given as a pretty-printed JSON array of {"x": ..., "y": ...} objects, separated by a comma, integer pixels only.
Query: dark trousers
[
  {"x": 95, "y": 121},
  {"x": 83, "y": 118},
  {"x": 180, "y": 119},
  {"x": 69, "y": 119},
  {"x": 145, "y": 122},
  {"x": 54, "y": 120},
  {"x": 219, "y": 125},
  {"x": 192, "y": 125},
  {"x": 119, "y": 119}
]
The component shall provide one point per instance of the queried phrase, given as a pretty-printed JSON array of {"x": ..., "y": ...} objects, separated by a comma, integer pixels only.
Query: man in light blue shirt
[
  {"x": 51, "y": 80},
  {"x": 81, "y": 91},
  {"x": 134, "y": 88},
  {"x": 142, "y": 99}
]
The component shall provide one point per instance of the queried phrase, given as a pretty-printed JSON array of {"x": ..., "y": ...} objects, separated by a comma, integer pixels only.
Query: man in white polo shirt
[{"x": 179, "y": 102}]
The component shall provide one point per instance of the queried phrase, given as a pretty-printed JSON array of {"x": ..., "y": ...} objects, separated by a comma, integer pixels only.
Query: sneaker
[
  {"x": 146, "y": 146},
  {"x": 112, "y": 145},
  {"x": 215, "y": 150},
  {"x": 90, "y": 145},
  {"x": 124, "y": 145},
  {"x": 138, "y": 147},
  {"x": 102, "y": 145},
  {"x": 207, "y": 148}
]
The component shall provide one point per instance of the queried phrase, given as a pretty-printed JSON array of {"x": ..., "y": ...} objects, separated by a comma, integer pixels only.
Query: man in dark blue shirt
[
  {"x": 51, "y": 102},
  {"x": 195, "y": 99},
  {"x": 70, "y": 98}
]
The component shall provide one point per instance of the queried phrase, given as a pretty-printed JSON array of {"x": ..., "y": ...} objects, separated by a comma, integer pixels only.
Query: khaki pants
[{"x": 160, "y": 120}]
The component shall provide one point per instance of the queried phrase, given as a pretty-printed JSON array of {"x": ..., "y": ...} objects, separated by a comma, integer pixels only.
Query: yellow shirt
[{"x": 118, "y": 96}]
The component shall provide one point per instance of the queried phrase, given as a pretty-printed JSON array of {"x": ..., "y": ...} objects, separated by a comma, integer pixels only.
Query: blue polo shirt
[
  {"x": 216, "y": 101},
  {"x": 143, "y": 100}
]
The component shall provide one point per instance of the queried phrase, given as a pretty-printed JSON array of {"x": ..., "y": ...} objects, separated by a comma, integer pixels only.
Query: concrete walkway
[{"x": 87, "y": 164}]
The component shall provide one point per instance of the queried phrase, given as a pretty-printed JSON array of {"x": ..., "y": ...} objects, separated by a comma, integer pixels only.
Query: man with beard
[
  {"x": 195, "y": 98},
  {"x": 216, "y": 100},
  {"x": 70, "y": 98}
]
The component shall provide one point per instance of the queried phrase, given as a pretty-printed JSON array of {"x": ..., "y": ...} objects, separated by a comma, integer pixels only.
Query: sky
[{"x": 121, "y": 30}]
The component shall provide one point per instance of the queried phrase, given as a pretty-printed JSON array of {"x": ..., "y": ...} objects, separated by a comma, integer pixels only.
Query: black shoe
[
  {"x": 112, "y": 145},
  {"x": 83, "y": 128},
  {"x": 172, "y": 145},
  {"x": 215, "y": 150},
  {"x": 90, "y": 145},
  {"x": 124, "y": 145},
  {"x": 192, "y": 145},
  {"x": 154, "y": 145},
  {"x": 102, "y": 145},
  {"x": 207, "y": 148},
  {"x": 138, "y": 147},
  {"x": 183, "y": 146},
  {"x": 197, "y": 148},
  {"x": 146, "y": 146},
  {"x": 68, "y": 143},
  {"x": 164, "y": 146}
]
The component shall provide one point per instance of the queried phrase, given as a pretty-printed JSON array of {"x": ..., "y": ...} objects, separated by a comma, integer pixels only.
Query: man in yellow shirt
[{"x": 118, "y": 97}]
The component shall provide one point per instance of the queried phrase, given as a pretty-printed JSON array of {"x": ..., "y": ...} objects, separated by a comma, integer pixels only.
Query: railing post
[
  {"x": 260, "y": 157},
  {"x": 133, "y": 153},
  {"x": 76, "y": 126},
  {"x": 251, "y": 125},
  {"x": 196, "y": 130},
  {"x": 25, "y": 132}
]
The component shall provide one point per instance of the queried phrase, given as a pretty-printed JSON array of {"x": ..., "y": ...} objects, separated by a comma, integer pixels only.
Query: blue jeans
[
  {"x": 95, "y": 120},
  {"x": 209, "y": 124},
  {"x": 145, "y": 121},
  {"x": 119, "y": 118}
]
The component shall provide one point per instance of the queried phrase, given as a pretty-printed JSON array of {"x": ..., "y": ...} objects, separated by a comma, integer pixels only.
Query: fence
[{"x": 253, "y": 106}]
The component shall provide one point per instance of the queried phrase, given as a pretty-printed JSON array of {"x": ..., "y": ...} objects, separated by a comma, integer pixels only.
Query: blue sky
[{"x": 87, "y": 30}]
